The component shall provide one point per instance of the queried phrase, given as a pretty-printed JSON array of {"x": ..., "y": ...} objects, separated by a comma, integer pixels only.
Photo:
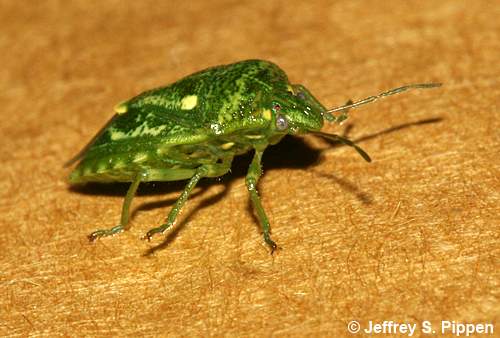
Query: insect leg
[
  {"x": 125, "y": 212},
  {"x": 203, "y": 171},
  {"x": 252, "y": 178}
]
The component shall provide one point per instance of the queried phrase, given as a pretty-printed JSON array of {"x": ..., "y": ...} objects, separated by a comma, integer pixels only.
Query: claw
[
  {"x": 271, "y": 243},
  {"x": 104, "y": 233},
  {"x": 274, "y": 247},
  {"x": 93, "y": 237},
  {"x": 96, "y": 235},
  {"x": 153, "y": 232}
]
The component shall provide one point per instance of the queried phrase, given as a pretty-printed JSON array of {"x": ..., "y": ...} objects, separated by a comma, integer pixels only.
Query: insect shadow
[
  {"x": 350, "y": 187},
  {"x": 291, "y": 152},
  {"x": 391, "y": 130}
]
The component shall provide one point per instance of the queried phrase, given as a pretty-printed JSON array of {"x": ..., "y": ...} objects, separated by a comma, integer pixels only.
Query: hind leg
[{"x": 124, "y": 220}]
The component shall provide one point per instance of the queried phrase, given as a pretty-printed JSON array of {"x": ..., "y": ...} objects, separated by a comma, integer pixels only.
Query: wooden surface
[{"x": 412, "y": 236}]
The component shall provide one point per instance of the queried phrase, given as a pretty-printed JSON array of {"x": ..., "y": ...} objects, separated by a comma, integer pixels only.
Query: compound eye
[
  {"x": 276, "y": 107},
  {"x": 281, "y": 122}
]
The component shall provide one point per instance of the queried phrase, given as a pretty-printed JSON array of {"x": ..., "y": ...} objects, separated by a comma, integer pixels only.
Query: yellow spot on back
[
  {"x": 121, "y": 108},
  {"x": 267, "y": 114},
  {"x": 227, "y": 146},
  {"x": 188, "y": 102},
  {"x": 290, "y": 89}
]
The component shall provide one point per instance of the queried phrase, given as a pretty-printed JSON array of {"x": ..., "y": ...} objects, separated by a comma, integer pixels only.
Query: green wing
[{"x": 84, "y": 150}]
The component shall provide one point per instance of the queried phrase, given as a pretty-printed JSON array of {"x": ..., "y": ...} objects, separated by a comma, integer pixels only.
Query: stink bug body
[{"x": 194, "y": 127}]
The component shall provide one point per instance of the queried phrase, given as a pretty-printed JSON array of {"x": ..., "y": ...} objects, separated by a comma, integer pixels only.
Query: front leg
[{"x": 252, "y": 178}]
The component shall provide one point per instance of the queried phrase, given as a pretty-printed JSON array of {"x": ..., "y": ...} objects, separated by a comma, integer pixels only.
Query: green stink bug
[{"x": 194, "y": 127}]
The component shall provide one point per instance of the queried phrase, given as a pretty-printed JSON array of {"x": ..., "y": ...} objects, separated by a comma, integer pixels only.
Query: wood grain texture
[{"x": 412, "y": 236}]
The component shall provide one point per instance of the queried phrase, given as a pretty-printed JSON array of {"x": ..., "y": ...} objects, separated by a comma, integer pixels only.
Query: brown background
[{"x": 412, "y": 236}]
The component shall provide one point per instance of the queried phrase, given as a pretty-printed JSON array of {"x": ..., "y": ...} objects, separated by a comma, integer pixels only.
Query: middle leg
[{"x": 203, "y": 171}]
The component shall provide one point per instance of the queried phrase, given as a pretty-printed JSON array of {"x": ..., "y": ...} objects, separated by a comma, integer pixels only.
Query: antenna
[{"x": 369, "y": 99}]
